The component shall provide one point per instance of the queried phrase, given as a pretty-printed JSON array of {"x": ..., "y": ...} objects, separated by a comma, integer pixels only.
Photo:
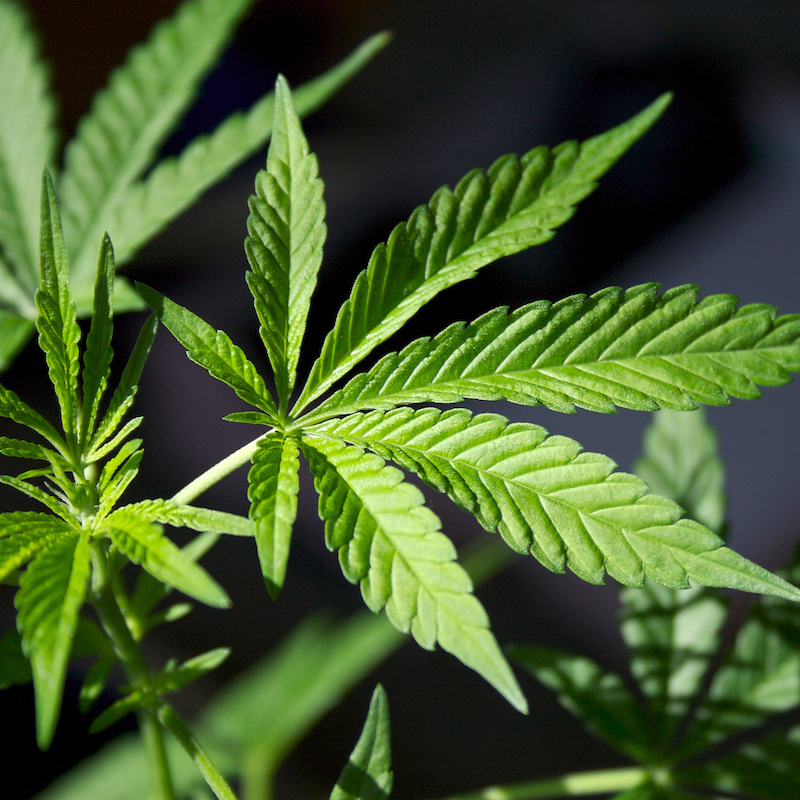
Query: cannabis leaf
[
  {"x": 692, "y": 699},
  {"x": 541, "y": 493},
  {"x": 107, "y": 184}
]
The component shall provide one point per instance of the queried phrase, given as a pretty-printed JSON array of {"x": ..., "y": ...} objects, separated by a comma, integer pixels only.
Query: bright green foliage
[
  {"x": 635, "y": 349},
  {"x": 287, "y": 230},
  {"x": 515, "y": 204},
  {"x": 692, "y": 700},
  {"x": 63, "y": 557},
  {"x": 543, "y": 494},
  {"x": 273, "y": 485},
  {"x": 107, "y": 184},
  {"x": 367, "y": 774}
]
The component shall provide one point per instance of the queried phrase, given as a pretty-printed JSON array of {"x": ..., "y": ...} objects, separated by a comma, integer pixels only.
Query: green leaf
[
  {"x": 15, "y": 409},
  {"x": 144, "y": 543},
  {"x": 681, "y": 461},
  {"x": 180, "y": 515},
  {"x": 14, "y": 334},
  {"x": 175, "y": 678},
  {"x": 630, "y": 348},
  {"x": 265, "y": 712},
  {"x": 50, "y": 597},
  {"x": 272, "y": 490},
  {"x": 597, "y": 697},
  {"x": 516, "y": 204},
  {"x": 95, "y": 682},
  {"x": 368, "y": 774},
  {"x": 97, "y": 358},
  {"x": 549, "y": 499},
  {"x": 390, "y": 543},
  {"x": 116, "y": 711},
  {"x": 175, "y": 183},
  {"x": 286, "y": 230},
  {"x": 37, "y": 494},
  {"x": 27, "y": 141},
  {"x": 18, "y": 448},
  {"x": 59, "y": 334},
  {"x": 24, "y": 534},
  {"x": 212, "y": 350},
  {"x": 131, "y": 118},
  {"x": 116, "y": 475}
]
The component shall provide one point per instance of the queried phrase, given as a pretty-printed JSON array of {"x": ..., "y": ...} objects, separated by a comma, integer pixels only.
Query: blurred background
[{"x": 710, "y": 196}]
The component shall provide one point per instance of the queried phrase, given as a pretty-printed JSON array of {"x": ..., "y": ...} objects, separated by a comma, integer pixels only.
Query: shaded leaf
[{"x": 368, "y": 772}]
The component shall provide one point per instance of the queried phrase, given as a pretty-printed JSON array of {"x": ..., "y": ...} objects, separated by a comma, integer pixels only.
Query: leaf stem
[
  {"x": 130, "y": 656},
  {"x": 216, "y": 473},
  {"x": 573, "y": 784}
]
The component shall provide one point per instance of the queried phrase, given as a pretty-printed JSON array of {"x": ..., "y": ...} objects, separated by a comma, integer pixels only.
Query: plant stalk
[
  {"x": 130, "y": 656},
  {"x": 216, "y": 473},
  {"x": 601, "y": 781}
]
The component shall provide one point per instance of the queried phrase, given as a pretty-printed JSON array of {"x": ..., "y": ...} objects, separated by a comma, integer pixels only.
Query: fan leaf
[
  {"x": 130, "y": 119},
  {"x": 50, "y": 597},
  {"x": 272, "y": 490},
  {"x": 286, "y": 230},
  {"x": 629, "y": 348},
  {"x": 27, "y": 141},
  {"x": 390, "y": 543},
  {"x": 549, "y": 499},
  {"x": 176, "y": 183},
  {"x": 515, "y": 204}
]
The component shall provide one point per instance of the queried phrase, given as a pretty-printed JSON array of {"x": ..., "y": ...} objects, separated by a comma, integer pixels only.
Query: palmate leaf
[
  {"x": 130, "y": 119},
  {"x": 26, "y": 145},
  {"x": 549, "y": 499},
  {"x": 673, "y": 635},
  {"x": 175, "y": 183},
  {"x": 272, "y": 490},
  {"x": 24, "y": 534},
  {"x": 597, "y": 697},
  {"x": 286, "y": 230},
  {"x": 59, "y": 334},
  {"x": 390, "y": 543},
  {"x": 630, "y": 348},
  {"x": 144, "y": 543},
  {"x": 50, "y": 597},
  {"x": 368, "y": 774},
  {"x": 516, "y": 204},
  {"x": 212, "y": 350}
]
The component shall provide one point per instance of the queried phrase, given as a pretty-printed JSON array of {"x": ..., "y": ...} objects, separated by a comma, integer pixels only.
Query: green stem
[
  {"x": 213, "y": 777},
  {"x": 216, "y": 473},
  {"x": 130, "y": 656},
  {"x": 601, "y": 781}
]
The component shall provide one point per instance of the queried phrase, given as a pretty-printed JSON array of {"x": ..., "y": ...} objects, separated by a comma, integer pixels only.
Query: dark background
[{"x": 710, "y": 196}]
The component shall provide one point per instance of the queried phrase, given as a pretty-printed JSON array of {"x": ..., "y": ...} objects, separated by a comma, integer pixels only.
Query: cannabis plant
[{"x": 635, "y": 348}]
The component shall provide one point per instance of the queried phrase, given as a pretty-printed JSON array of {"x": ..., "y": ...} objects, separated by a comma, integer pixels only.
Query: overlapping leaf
[
  {"x": 51, "y": 593},
  {"x": 631, "y": 348},
  {"x": 286, "y": 230},
  {"x": 546, "y": 497},
  {"x": 272, "y": 491},
  {"x": 514, "y": 205},
  {"x": 26, "y": 147},
  {"x": 132, "y": 116},
  {"x": 175, "y": 183},
  {"x": 390, "y": 544}
]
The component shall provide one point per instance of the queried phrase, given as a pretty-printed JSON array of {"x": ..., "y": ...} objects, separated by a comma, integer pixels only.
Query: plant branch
[
  {"x": 216, "y": 473},
  {"x": 571, "y": 785}
]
